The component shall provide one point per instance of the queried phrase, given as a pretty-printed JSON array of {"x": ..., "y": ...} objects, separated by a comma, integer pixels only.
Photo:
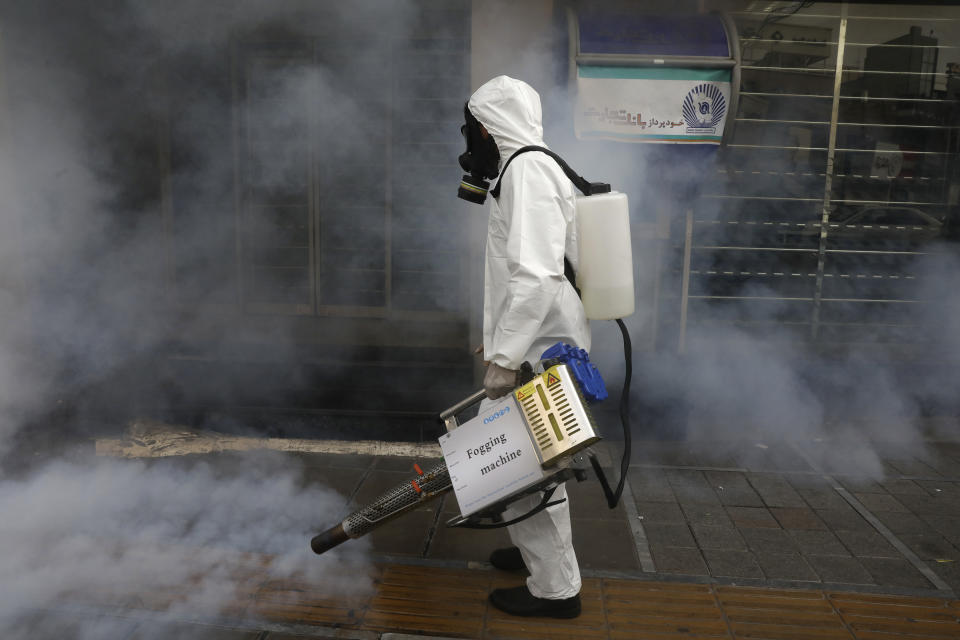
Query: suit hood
[{"x": 510, "y": 111}]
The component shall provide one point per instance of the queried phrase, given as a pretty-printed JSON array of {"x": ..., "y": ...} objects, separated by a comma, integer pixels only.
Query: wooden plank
[
  {"x": 615, "y": 585},
  {"x": 414, "y": 623},
  {"x": 435, "y": 577},
  {"x": 451, "y": 607},
  {"x": 760, "y": 616},
  {"x": 920, "y": 627},
  {"x": 431, "y": 593},
  {"x": 307, "y": 614},
  {"x": 776, "y": 603},
  {"x": 665, "y": 635},
  {"x": 541, "y": 628},
  {"x": 882, "y": 635},
  {"x": 290, "y": 596},
  {"x": 628, "y": 608},
  {"x": 702, "y": 599},
  {"x": 886, "y": 600},
  {"x": 664, "y": 625},
  {"x": 787, "y": 632},
  {"x": 761, "y": 592},
  {"x": 897, "y": 611}
]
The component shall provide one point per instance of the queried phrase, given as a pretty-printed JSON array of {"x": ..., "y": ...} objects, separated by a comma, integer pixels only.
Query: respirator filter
[{"x": 473, "y": 189}]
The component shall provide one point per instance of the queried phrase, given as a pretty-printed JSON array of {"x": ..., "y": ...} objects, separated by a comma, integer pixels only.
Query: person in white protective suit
[{"x": 528, "y": 306}]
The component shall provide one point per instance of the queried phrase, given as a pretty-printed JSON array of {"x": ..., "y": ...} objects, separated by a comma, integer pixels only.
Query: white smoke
[
  {"x": 86, "y": 312},
  {"x": 190, "y": 540}
]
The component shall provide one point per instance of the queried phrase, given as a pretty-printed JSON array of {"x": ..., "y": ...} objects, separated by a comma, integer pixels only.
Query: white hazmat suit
[{"x": 528, "y": 303}]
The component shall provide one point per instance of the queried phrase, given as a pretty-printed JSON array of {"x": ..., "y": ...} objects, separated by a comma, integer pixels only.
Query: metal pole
[
  {"x": 828, "y": 179},
  {"x": 685, "y": 287}
]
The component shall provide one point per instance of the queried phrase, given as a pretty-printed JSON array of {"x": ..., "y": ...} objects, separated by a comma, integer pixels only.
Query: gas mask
[{"x": 481, "y": 161}]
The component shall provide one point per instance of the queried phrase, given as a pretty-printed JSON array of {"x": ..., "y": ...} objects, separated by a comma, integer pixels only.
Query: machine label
[{"x": 491, "y": 456}]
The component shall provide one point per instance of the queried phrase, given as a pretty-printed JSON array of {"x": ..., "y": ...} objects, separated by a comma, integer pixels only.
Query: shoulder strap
[
  {"x": 588, "y": 188},
  {"x": 585, "y": 187}
]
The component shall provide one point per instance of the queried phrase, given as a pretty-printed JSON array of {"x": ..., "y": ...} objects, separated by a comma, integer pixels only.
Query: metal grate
[
  {"x": 347, "y": 147},
  {"x": 829, "y": 203}
]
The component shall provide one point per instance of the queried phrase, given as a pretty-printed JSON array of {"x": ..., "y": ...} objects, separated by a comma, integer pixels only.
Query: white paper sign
[
  {"x": 667, "y": 105},
  {"x": 491, "y": 456}
]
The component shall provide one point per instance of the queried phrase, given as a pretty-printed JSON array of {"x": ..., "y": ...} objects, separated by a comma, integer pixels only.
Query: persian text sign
[
  {"x": 491, "y": 456},
  {"x": 632, "y": 104}
]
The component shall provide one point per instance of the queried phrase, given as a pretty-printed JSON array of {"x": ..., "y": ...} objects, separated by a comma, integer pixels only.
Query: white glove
[{"x": 499, "y": 381}]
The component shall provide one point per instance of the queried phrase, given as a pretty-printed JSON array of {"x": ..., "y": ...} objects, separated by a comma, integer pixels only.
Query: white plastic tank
[{"x": 605, "y": 273}]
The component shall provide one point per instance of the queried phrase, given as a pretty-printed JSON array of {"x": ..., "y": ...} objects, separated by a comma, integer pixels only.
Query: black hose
[{"x": 613, "y": 497}]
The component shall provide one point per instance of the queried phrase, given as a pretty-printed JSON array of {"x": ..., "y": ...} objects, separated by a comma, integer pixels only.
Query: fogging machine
[{"x": 525, "y": 443}]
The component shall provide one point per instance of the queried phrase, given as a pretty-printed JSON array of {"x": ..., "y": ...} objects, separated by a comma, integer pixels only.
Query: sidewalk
[{"x": 758, "y": 540}]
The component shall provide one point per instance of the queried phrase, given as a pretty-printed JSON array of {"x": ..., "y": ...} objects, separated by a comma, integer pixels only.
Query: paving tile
[
  {"x": 895, "y": 572},
  {"x": 468, "y": 544},
  {"x": 867, "y": 543},
  {"x": 943, "y": 464},
  {"x": 903, "y": 487},
  {"x": 354, "y": 461},
  {"x": 949, "y": 572},
  {"x": 691, "y": 487},
  {"x": 930, "y": 546},
  {"x": 709, "y": 514},
  {"x": 674, "y": 560},
  {"x": 407, "y": 535},
  {"x": 774, "y": 458},
  {"x": 752, "y": 518},
  {"x": 672, "y": 535},
  {"x": 912, "y": 467},
  {"x": 775, "y": 491},
  {"x": 941, "y": 488},
  {"x": 604, "y": 544},
  {"x": 841, "y": 570},
  {"x": 714, "y": 537},
  {"x": 845, "y": 518},
  {"x": 946, "y": 525},
  {"x": 786, "y": 566},
  {"x": 926, "y": 504},
  {"x": 587, "y": 501},
  {"x": 728, "y": 563},
  {"x": 822, "y": 497},
  {"x": 733, "y": 489},
  {"x": 650, "y": 486},
  {"x": 857, "y": 484},
  {"x": 880, "y": 502},
  {"x": 823, "y": 543},
  {"x": 769, "y": 540},
  {"x": 793, "y": 518},
  {"x": 678, "y": 453},
  {"x": 899, "y": 522},
  {"x": 343, "y": 480},
  {"x": 660, "y": 513}
]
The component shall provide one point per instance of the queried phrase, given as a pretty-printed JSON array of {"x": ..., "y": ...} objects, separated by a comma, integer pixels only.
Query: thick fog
[
  {"x": 117, "y": 128},
  {"x": 92, "y": 93}
]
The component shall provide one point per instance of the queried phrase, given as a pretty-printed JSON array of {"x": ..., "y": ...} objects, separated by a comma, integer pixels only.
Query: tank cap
[{"x": 598, "y": 187}]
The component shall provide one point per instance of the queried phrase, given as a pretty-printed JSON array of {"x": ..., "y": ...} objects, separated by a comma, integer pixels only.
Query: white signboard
[
  {"x": 491, "y": 456},
  {"x": 661, "y": 104}
]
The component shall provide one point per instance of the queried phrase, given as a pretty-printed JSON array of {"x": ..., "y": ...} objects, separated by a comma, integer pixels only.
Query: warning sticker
[{"x": 552, "y": 380}]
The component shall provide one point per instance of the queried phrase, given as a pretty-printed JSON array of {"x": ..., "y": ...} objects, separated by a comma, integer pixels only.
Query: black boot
[
  {"x": 518, "y": 601},
  {"x": 508, "y": 559}
]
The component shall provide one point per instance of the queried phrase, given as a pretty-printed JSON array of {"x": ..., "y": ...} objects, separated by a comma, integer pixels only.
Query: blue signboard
[{"x": 634, "y": 34}]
